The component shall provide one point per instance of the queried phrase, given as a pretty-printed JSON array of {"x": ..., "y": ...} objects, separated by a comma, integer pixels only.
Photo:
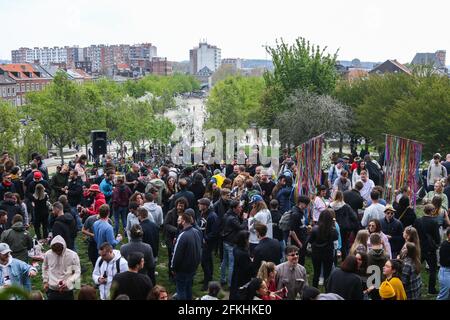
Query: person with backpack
[
  {"x": 18, "y": 239},
  {"x": 292, "y": 222},
  {"x": 335, "y": 172},
  {"x": 277, "y": 232},
  {"x": 109, "y": 263}
]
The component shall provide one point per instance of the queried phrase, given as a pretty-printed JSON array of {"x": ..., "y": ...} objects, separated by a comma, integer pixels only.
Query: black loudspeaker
[{"x": 98, "y": 142}]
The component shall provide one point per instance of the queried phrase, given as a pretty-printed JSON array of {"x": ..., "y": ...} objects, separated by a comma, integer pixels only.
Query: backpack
[
  {"x": 117, "y": 265},
  {"x": 285, "y": 221}
]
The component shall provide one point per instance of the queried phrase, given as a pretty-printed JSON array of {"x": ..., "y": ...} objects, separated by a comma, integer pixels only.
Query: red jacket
[{"x": 98, "y": 202}]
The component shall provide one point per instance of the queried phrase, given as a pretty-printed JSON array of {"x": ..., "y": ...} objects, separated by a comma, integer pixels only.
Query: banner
[
  {"x": 309, "y": 157},
  {"x": 402, "y": 158}
]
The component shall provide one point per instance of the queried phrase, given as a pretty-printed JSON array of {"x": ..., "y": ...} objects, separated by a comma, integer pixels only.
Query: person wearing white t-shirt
[
  {"x": 260, "y": 213},
  {"x": 374, "y": 211},
  {"x": 367, "y": 186}
]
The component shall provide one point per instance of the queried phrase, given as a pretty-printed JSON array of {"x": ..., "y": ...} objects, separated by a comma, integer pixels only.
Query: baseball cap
[
  {"x": 437, "y": 155},
  {"x": 389, "y": 208},
  {"x": 37, "y": 175},
  {"x": 256, "y": 198},
  {"x": 4, "y": 248}
]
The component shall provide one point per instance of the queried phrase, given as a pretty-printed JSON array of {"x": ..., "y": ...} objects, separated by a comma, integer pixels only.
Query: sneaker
[{"x": 321, "y": 280}]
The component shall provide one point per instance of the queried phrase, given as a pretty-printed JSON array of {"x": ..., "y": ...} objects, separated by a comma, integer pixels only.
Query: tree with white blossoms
[{"x": 309, "y": 114}]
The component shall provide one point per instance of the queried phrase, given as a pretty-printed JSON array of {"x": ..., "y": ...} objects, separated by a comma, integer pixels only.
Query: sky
[{"x": 365, "y": 29}]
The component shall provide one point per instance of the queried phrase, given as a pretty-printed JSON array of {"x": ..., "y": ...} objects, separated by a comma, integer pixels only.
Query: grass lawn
[{"x": 163, "y": 279}]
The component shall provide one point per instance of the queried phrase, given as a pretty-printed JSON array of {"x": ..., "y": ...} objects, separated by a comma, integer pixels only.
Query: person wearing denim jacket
[{"x": 14, "y": 271}]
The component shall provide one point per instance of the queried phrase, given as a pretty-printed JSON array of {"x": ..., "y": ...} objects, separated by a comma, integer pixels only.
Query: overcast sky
[{"x": 365, "y": 29}]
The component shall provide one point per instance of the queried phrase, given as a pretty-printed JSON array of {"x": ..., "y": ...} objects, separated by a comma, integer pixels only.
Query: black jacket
[
  {"x": 395, "y": 230},
  {"x": 347, "y": 285},
  {"x": 322, "y": 246},
  {"x": 347, "y": 219},
  {"x": 135, "y": 285},
  {"x": 32, "y": 187},
  {"x": 277, "y": 232},
  {"x": 75, "y": 192},
  {"x": 136, "y": 245},
  {"x": 151, "y": 235},
  {"x": 267, "y": 250},
  {"x": 353, "y": 199},
  {"x": 184, "y": 193},
  {"x": 231, "y": 226},
  {"x": 170, "y": 227},
  {"x": 211, "y": 232},
  {"x": 4, "y": 189},
  {"x": 66, "y": 227},
  {"x": 12, "y": 209},
  {"x": 242, "y": 271},
  {"x": 187, "y": 251},
  {"x": 406, "y": 216},
  {"x": 428, "y": 230},
  {"x": 220, "y": 208}
]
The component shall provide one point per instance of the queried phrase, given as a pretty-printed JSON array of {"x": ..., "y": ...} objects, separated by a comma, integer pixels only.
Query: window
[
  {"x": 27, "y": 87},
  {"x": 17, "y": 88},
  {"x": 33, "y": 87},
  {"x": 4, "y": 92},
  {"x": 22, "y": 87},
  {"x": 38, "y": 87}
]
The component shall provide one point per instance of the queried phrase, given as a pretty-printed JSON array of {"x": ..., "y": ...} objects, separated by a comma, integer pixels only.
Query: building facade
[
  {"x": 205, "y": 55},
  {"x": 161, "y": 67},
  {"x": 28, "y": 77},
  {"x": 7, "y": 88}
]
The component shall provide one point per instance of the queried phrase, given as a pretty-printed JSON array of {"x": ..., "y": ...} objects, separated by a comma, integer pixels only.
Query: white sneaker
[{"x": 321, "y": 280}]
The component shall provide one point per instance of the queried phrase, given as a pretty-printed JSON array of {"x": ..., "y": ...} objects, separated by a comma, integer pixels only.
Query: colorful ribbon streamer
[
  {"x": 402, "y": 159},
  {"x": 309, "y": 157}
]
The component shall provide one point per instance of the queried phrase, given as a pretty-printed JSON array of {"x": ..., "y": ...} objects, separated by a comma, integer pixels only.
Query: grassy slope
[{"x": 163, "y": 278}]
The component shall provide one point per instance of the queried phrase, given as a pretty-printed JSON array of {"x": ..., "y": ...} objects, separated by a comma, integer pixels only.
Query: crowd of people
[{"x": 249, "y": 217}]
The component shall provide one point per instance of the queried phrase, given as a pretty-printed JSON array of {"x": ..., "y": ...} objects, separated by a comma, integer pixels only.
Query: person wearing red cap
[
  {"x": 99, "y": 200},
  {"x": 37, "y": 179}
]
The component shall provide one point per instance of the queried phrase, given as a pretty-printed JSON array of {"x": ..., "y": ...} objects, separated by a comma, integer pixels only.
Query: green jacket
[{"x": 19, "y": 240}]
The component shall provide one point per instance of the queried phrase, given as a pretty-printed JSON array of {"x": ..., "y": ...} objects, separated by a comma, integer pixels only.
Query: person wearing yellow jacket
[{"x": 392, "y": 270}]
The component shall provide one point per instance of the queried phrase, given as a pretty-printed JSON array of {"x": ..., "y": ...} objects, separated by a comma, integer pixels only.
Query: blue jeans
[
  {"x": 227, "y": 263},
  {"x": 184, "y": 282},
  {"x": 444, "y": 284},
  {"x": 120, "y": 212}
]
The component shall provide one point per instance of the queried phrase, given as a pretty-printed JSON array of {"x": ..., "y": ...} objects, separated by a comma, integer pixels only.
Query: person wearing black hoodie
[
  {"x": 405, "y": 213},
  {"x": 184, "y": 192},
  {"x": 197, "y": 187},
  {"x": 209, "y": 227},
  {"x": 64, "y": 225},
  {"x": 186, "y": 257},
  {"x": 6, "y": 185},
  {"x": 428, "y": 230},
  {"x": 151, "y": 231},
  {"x": 74, "y": 192}
]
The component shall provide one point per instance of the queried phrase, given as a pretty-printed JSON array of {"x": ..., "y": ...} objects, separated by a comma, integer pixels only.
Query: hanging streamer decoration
[
  {"x": 309, "y": 156},
  {"x": 402, "y": 159}
]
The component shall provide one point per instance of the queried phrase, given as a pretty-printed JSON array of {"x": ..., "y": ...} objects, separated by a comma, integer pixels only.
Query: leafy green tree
[
  {"x": 297, "y": 66},
  {"x": 9, "y": 126},
  {"x": 234, "y": 103},
  {"x": 423, "y": 114},
  {"x": 31, "y": 140},
  {"x": 56, "y": 109}
]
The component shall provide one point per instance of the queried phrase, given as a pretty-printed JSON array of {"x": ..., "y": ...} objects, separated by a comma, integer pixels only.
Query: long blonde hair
[
  {"x": 39, "y": 192},
  {"x": 361, "y": 239},
  {"x": 264, "y": 270}
]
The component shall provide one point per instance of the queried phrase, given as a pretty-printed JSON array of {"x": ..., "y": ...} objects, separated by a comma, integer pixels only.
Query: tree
[
  {"x": 223, "y": 72},
  {"x": 56, "y": 109},
  {"x": 310, "y": 114},
  {"x": 31, "y": 140},
  {"x": 234, "y": 103},
  {"x": 423, "y": 114},
  {"x": 298, "y": 66},
  {"x": 9, "y": 126}
]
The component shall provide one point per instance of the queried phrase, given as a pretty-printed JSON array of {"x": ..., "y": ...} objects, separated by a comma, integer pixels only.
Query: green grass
[{"x": 163, "y": 278}]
